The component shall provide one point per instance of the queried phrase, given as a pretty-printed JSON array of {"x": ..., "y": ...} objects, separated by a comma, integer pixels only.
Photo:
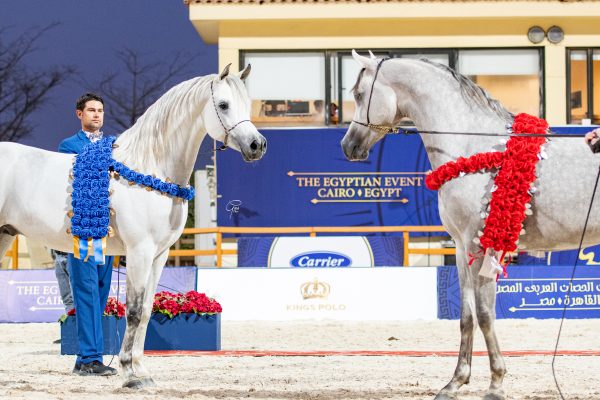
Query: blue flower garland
[{"x": 91, "y": 212}]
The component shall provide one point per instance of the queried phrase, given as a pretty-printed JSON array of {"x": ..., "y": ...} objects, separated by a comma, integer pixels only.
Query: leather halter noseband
[{"x": 224, "y": 146}]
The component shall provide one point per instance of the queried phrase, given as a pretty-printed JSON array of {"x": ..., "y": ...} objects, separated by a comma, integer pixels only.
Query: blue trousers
[{"x": 90, "y": 283}]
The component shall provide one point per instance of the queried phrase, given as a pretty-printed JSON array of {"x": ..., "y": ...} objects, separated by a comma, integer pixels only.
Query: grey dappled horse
[{"x": 438, "y": 99}]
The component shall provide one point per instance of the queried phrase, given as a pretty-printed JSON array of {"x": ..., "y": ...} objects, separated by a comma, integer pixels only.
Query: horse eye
[
  {"x": 358, "y": 96},
  {"x": 223, "y": 106}
]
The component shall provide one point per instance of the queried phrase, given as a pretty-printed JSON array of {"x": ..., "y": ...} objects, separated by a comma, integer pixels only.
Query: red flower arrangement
[
  {"x": 516, "y": 167},
  {"x": 170, "y": 304},
  {"x": 113, "y": 308}
]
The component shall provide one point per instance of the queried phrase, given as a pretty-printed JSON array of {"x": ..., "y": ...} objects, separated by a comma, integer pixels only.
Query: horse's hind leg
[
  {"x": 485, "y": 297},
  {"x": 138, "y": 344},
  {"x": 462, "y": 373},
  {"x": 139, "y": 261}
]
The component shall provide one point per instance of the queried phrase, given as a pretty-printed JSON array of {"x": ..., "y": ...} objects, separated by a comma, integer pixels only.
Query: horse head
[
  {"x": 227, "y": 115},
  {"x": 376, "y": 109}
]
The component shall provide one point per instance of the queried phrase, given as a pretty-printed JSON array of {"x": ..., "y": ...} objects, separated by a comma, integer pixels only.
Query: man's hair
[{"x": 85, "y": 98}]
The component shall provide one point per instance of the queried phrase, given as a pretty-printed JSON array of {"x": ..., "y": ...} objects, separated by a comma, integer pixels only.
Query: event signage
[
  {"x": 531, "y": 292},
  {"x": 33, "y": 295},
  {"x": 349, "y": 294},
  {"x": 320, "y": 251},
  {"x": 305, "y": 180}
]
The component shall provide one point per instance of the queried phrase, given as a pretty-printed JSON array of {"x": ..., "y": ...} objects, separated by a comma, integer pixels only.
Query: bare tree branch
[
  {"x": 139, "y": 84},
  {"x": 23, "y": 90}
]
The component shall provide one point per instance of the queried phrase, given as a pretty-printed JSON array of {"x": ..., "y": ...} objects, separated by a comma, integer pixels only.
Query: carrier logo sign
[{"x": 321, "y": 259}]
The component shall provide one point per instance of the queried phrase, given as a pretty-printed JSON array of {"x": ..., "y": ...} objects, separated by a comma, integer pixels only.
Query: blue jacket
[{"x": 74, "y": 144}]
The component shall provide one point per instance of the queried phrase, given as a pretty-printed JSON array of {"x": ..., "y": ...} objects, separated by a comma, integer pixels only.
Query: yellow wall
[{"x": 398, "y": 25}]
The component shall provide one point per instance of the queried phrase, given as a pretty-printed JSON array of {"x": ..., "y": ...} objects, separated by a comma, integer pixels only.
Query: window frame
[
  {"x": 452, "y": 53},
  {"x": 589, "y": 77}
]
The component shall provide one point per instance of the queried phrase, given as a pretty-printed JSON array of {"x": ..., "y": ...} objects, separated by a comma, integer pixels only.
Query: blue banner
[
  {"x": 304, "y": 179},
  {"x": 587, "y": 256},
  {"x": 531, "y": 292}
]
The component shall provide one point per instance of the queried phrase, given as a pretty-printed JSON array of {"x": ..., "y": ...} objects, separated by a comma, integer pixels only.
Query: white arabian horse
[
  {"x": 35, "y": 190},
  {"x": 436, "y": 98}
]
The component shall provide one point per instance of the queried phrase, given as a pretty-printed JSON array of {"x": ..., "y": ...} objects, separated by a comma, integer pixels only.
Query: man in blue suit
[{"x": 90, "y": 281}]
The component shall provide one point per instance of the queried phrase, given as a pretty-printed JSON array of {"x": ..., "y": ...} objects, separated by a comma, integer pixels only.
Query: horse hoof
[
  {"x": 495, "y": 395},
  {"x": 148, "y": 382},
  {"x": 445, "y": 396},
  {"x": 134, "y": 384}
]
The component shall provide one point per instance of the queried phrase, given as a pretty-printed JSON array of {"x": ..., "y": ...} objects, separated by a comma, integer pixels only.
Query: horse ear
[
  {"x": 363, "y": 61},
  {"x": 244, "y": 74},
  {"x": 225, "y": 72},
  {"x": 372, "y": 55}
]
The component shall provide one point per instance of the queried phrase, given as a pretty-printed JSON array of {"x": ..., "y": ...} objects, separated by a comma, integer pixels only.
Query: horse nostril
[
  {"x": 264, "y": 145},
  {"x": 254, "y": 145}
]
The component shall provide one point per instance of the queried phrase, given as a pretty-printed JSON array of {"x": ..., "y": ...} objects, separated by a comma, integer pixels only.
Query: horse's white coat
[{"x": 35, "y": 190}]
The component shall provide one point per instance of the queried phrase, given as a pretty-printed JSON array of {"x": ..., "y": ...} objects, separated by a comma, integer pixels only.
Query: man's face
[{"x": 92, "y": 116}]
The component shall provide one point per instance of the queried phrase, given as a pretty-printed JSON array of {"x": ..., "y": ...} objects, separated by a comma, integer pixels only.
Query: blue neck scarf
[{"x": 91, "y": 211}]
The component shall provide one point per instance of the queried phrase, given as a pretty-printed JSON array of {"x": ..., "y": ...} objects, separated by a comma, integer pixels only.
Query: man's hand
[{"x": 591, "y": 138}]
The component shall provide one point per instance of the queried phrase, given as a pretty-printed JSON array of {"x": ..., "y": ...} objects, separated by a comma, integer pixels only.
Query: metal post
[
  {"x": 15, "y": 253},
  {"x": 219, "y": 249},
  {"x": 406, "y": 238}
]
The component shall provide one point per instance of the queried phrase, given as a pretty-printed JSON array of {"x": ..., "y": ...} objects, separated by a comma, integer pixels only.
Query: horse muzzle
[
  {"x": 353, "y": 151},
  {"x": 255, "y": 150}
]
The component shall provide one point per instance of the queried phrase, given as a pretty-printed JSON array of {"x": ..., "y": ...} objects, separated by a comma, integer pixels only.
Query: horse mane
[
  {"x": 473, "y": 92},
  {"x": 165, "y": 125}
]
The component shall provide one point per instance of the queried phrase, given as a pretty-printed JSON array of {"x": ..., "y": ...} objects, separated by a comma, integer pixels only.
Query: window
[
  {"x": 511, "y": 76},
  {"x": 583, "y": 69},
  {"x": 287, "y": 89},
  {"x": 312, "y": 88},
  {"x": 349, "y": 72}
]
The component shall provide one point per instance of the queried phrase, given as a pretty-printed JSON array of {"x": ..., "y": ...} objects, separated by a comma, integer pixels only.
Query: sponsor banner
[
  {"x": 320, "y": 252},
  {"x": 587, "y": 256},
  {"x": 531, "y": 292},
  {"x": 305, "y": 180},
  {"x": 33, "y": 295},
  {"x": 352, "y": 294}
]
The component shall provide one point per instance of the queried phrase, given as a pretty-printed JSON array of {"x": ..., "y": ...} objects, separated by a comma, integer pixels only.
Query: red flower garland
[
  {"x": 170, "y": 304},
  {"x": 516, "y": 174}
]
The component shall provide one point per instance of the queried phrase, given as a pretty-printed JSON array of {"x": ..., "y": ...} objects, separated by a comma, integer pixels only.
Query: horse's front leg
[
  {"x": 462, "y": 373},
  {"x": 139, "y": 271},
  {"x": 485, "y": 297},
  {"x": 138, "y": 344}
]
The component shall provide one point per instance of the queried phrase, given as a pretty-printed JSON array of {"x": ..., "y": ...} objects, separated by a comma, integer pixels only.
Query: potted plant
[{"x": 190, "y": 321}]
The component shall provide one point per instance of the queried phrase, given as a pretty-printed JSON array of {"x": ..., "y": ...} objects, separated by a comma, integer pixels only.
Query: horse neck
[
  {"x": 433, "y": 100},
  {"x": 165, "y": 140}
]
